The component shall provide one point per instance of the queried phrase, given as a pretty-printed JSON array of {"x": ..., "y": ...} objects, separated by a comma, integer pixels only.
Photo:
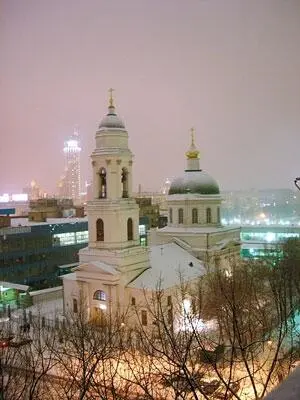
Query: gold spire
[
  {"x": 192, "y": 152},
  {"x": 111, "y": 99}
]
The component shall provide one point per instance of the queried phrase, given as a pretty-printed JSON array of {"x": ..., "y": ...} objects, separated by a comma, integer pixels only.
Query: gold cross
[{"x": 111, "y": 99}]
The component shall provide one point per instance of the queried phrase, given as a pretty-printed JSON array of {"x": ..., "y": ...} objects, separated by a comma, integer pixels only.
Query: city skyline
[{"x": 231, "y": 71}]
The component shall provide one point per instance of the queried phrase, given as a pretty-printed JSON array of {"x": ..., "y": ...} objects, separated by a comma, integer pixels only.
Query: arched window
[
  {"x": 194, "y": 216},
  {"x": 100, "y": 230},
  {"x": 124, "y": 180},
  {"x": 171, "y": 215},
  {"x": 103, "y": 188},
  {"x": 99, "y": 295},
  {"x": 180, "y": 216},
  {"x": 208, "y": 215},
  {"x": 218, "y": 215},
  {"x": 129, "y": 229}
]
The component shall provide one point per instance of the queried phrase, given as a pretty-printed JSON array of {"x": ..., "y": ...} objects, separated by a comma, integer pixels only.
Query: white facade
[
  {"x": 194, "y": 217},
  {"x": 115, "y": 272},
  {"x": 114, "y": 256}
]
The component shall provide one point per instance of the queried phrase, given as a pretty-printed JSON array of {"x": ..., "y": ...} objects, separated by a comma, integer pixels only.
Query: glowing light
[
  {"x": 103, "y": 306},
  {"x": 270, "y": 237},
  {"x": 186, "y": 306},
  {"x": 4, "y": 198},
  {"x": 19, "y": 197}
]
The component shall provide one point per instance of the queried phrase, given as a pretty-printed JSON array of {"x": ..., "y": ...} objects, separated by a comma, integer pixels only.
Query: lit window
[
  {"x": 103, "y": 188},
  {"x": 186, "y": 306},
  {"x": 142, "y": 229},
  {"x": 64, "y": 239},
  {"x": 82, "y": 237},
  {"x": 99, "y": 295}
]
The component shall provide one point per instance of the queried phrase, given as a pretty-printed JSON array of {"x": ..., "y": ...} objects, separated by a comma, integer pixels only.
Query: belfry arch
[
  {"x": 103, "y": 184},
  {"x": 124, "y": 181}
]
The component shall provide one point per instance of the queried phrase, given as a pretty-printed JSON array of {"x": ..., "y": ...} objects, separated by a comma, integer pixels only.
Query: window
[
  {"x": 170, "y": 316},
  {"x": 171, "y": 215},
  {"x": 124, "y": 180},
  {"x": 180, "y": 216},
  {"x": 129, "y": 229},
  {"x": 142, "y": 229},
  {"x": 99, "y": 295},
  {"x": 169, "y": 300},
  {"x": 143, "y": 241},
  {"x": 103, "y": 188},
  {"x": 144, "y": 318},
  {"x": 208, "y": 215},
  {"x": 194, "y": 216},
  {"x": 63, "y": 239},
  {"x": 75, "y": 306},
  {"x": 82, "y": 237},
  {"x": 133, "y": 301},
  {"x": 218, "y": 215},
  {"x": 100, "y": 230}
]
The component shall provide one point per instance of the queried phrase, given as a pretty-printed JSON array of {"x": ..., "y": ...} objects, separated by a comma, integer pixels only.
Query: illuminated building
[
  {"x": 114, "y": 269},
  {"x": 31, "y": 252},
  {"x": 262, "y": 241},
  {"x": 70, "y": 183},
  {"x": 194, "y": 216}
]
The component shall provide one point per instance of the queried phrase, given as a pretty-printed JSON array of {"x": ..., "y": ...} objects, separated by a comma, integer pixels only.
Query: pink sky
[{"x": 229, "y": 68}]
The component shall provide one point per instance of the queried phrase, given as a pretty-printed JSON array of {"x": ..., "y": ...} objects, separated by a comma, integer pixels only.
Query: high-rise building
[{"x": 70, "y": 183}]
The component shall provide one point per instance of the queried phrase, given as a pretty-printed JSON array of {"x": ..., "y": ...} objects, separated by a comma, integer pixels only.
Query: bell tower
[{"x": 113, "y": 214}]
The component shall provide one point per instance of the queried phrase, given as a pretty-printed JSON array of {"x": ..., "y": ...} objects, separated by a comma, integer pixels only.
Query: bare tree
[{"x": 248, "y": 350}]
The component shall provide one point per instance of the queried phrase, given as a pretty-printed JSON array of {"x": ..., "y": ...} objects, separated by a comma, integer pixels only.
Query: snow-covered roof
[
  {"x": 193, "y": 230},
  {"x": 170, "y": 265},
  {"x": 50, "y": 221},
  {"x": 98, "y": 266},
  {"x": 10, "y": 285}
]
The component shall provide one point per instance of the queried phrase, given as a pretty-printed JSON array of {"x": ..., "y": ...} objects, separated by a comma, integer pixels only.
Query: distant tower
[{"x": 71, "y": 181}]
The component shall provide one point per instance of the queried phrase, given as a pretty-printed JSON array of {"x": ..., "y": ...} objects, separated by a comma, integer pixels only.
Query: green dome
[{"x": 197, "y": 182}]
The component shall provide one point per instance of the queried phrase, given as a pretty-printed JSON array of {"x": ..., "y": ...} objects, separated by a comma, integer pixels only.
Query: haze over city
[{"x": 228, "y": 68}]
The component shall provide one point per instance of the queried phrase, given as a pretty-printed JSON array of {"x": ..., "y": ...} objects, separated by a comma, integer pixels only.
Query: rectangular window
[
  {"x": 144, "y": 318},
  {"x": 133, "y": 301},
  {"x": 64, "y": 239},
  {"x": 170, "y": 316},
  {"x": 75, "y": 306},
  {"x": 169, "y": 301},
  {"x": 82, "y": 237},
  {"x": 142, "y": 229}
]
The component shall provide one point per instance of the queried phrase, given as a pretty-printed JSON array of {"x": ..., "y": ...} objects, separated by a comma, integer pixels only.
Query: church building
[
  {"x": 114, "y": 270},
  {"x": 194, "y": 221}
]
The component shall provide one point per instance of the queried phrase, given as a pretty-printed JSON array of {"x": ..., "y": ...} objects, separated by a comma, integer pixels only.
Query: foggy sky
[{"x": 229, "y": 68}]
